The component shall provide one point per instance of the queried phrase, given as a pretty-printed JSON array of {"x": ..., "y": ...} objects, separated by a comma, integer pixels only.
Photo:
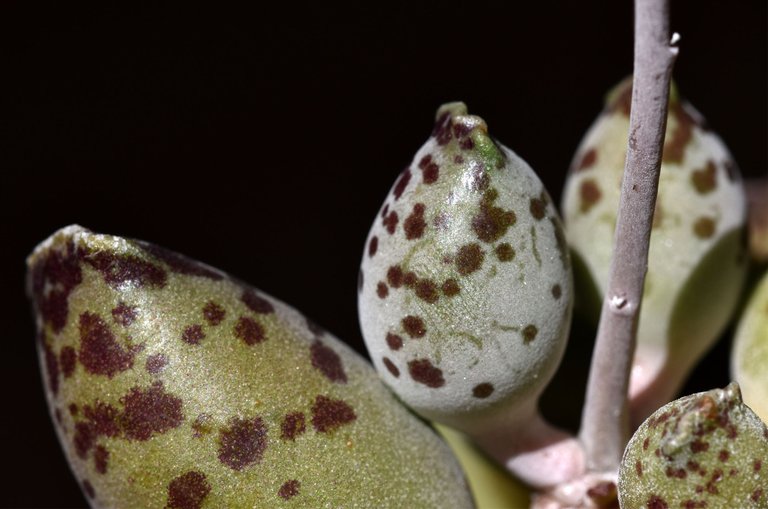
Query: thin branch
[{"x": 605, "y": 428}]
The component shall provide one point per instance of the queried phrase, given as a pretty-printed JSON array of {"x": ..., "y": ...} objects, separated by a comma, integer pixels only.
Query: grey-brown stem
[{"x": 605, "y": 430}]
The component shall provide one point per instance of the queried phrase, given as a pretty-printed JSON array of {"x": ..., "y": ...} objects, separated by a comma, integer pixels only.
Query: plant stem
[{"x": 605, "y": 428}]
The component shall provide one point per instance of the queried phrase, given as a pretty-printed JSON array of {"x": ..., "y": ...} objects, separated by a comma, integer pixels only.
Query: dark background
[{"x": 263, "y": 142}]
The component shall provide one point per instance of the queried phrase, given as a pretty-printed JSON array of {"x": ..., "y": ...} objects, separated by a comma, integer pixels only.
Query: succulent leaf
[
  {"x": 466, "y": 301},
  {"x": 704, "y": 450},
  {"x": 173, "y": 385}
]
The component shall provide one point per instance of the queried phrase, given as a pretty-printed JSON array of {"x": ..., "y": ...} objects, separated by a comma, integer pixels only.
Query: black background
[{"x": 263, "y": 142}]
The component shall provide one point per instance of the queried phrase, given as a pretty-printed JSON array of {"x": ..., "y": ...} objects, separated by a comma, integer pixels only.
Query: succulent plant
[
  {"x": 465, "y": 295},
  {"x": 697, "y": 259},
  {"x": 173, "y": 385},
  {"x": 707, "y": 450},
  {"x": 749, "y": 359}
]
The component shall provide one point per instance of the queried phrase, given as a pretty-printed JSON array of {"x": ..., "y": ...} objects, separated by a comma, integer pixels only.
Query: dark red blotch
[
  {"x": 117, "y": 269},
  {"x": 242, "y": 443},
  {"x": 53, "y": 279},
  {"x": 328, "y": 362},
  {"x": 100, "y": 353},
  {"x": 150, "y": 411},
  {"x": 188, "y": 491},
  {"x": 424, "y": 372},
  {"x": 256, "y": 303},
  {"x": 328, "y": 414}
]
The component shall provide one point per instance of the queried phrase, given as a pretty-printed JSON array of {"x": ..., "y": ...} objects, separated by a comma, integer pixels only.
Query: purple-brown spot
[
  {"x": 482, "y": 390},
  {"x": 402, "y": 183},
  {"x": 469, "y": 258},
  {"x": 391, "y": 367},
  {"x": 213, "y": 313},
  {"x": 410, "y": 279},
  {"x": 430, "y": 169},
  {"x": 292, "y": 426},
  {"x": 414, "y": 224},
  {"x": 178, "y": 263},
  {"x": 538, "y": 207},
  {"x": 390, "y": 222},
  {"x": 704, "y": 180},
  {"x": 639, "y": 468},
  {"x": 328, "y": 362},
  {"x": 373, "y": 245},
  {"x": 100, "y": 353},
  {"x": 492, "y": 222},
  {"x": 479, "y": 180},
  {"x": 424, "y": 372},
  {"x": 249, "y": 330},
  {"x": 604, "y": 495},
  {"x": 557, "y": 291},
  {"x": 757, "y": 465},
  {"x": 51, "y": 368},
  {"x": 53, "y": 279},
  {"x": 677, "y": 473},
  {"x": 395, "y": 276},
  {"x": 124, "y": 314},
  {"x": 590, "y": 194},
  {"x": 242, "y": 443},
  {"x": 150, "y": 411},
  {"x": 588, "y": 160},
  {"x": 757, "y": 495},
  {"x": 328, "y": 414},
  {"x": 156, "y": 363},
  {"x": 188, "y": 491},
  {"x": 723, "y": 455},
  {"x": 382, "y": 290},
  {"x": 704, "y": 227},
  {"x": 67, "y": 360},
  {"x": 656, "y": 502},
  {"x": 289, "y": 489},
  {"x": 394, "y": 341},
  {"x": 505, "y": 252},
  {"x": 88, "y": 489},
  {"x": 118, "y": 269},
  {"x": 414, "y": 326},
  {"x": 256, "y": 303},
  {"x": 674, "y": 147},
  {"x": 529, "y": 333},
  {"x": 450, "y": 287},
  {"x": 193, "y": 334},
  {"x": 101, "y": 459},
  {"x": 426, "y": 290},
  {"x": 73, "y": 409}
]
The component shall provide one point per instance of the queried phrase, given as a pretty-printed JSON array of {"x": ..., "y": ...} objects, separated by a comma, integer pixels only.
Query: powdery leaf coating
[
  {"x": 175, "y": 386},
  {"x": 705, "y": 450},
  {"x": 697, "y": 259},
  {"x": 464, "y": 296},
  {"x": 749, "y": 359}
]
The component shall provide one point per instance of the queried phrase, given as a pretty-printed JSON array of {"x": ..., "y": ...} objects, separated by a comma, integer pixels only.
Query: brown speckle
[
  {"x": 656, "y": 502},
  {"x": 442, "y": 129},
  {"x": 391, "y": 367},
  {"x": 213, "y": 313},
  {"x": 193, "y": 334},
  {"x": 538, "y": 208},
  {"x": 587, "y": 160},
  {"x": 156, "y": 363},
  {"x": 382, "y": 290},
  {"x": 150, "y": 411},
  {"x": 53, "y": 279},
  {"x": 704, "y": 180},
  {"x": 292, "y": 426},
  {"x": 557, "y": 291},
  {"x": 505, "y": 252},
  {"x": 590, "y": 194},
  {"x": 249, "y": 330},
  {"x": 674, "y": 146},
  {"x": 256, "y": 303},
  {"x": 180, "y": 264},
  {"x": 395, "y": 276},
  {"x": 242, "y": 443},
  {"x": 402, "y": 183},
  {"x": 757, "y": 466},
  {"x": 639, "y": 468},
  {"x": 124, "y": 314},
  {"x": 100, "y": 353},
  {"x": 492, "y": 222},
  {"x": 68, "y": 360},
  {"x": 289, "y": 489},
  {"x": 424, "y": 372},
  {"x": 482, "y": 390},
  {"x": 101, "y": 459},
  {"x": 390, "y": 222},
  {"x": 414, "y": 326},
  {"x": 469, "y": 258},
  {"x": 373, "y": 245},
  {"x": 723, "y": 455},
  {"x": 426, "y": 290},
  {"x": 394, "y": 341},
  {"x": 529, "y": 333},
  {"x": 430, "y": 169},
  {"x": 410, "y": 279},
  {"x": 188, "y": 491},
  {"x": 51, "y": 368},
  {"x": 328, "y": 362},
  {"x": 414, "y": 224},
  {"x": 704, "y": 227},
  {"x": 450, "y": 287},
  {"x": 328, "y": 414},
  {"x": 118, "y": 269},
  {"x": 757, "y": 495}
]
